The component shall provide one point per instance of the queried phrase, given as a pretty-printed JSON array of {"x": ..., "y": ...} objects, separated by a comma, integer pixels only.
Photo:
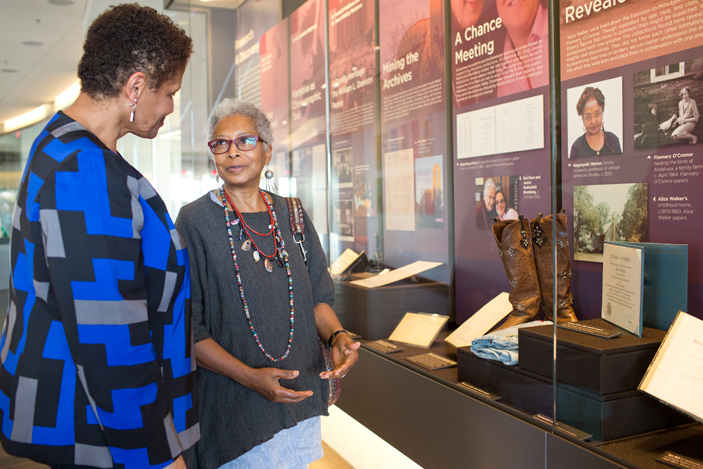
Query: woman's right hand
[{"x": 265, "y": 382}]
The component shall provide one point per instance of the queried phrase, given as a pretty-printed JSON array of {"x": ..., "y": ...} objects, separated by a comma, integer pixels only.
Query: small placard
[
  {"x": 623, "y": 277},
  {"x": 473, "y": 389},
  {"x": 385, "y": 347},
  {"x": 676, "y": 460},
  {"x": 431, "y": 361},
  {"x": 345, "y": 262},
  {"x": 418, "y": 329},
  {"x": 569, "y": 430},
  {"x": 590, "y": 330},
  {"x": 481, "y": 322}
]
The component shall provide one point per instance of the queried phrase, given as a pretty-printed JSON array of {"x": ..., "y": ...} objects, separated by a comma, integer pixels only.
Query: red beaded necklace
[{"x": 246, "y": 246}]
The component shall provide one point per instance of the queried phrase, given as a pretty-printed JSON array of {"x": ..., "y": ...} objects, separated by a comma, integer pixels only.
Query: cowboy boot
[
  {"x": 515, "y": 248},
  {"x": 543, "y": 248}
]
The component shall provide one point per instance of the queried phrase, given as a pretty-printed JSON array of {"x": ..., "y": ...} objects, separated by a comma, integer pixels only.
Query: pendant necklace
[
  {"x": 245, "y": 232},
  {"x": 282, "y": 258}
]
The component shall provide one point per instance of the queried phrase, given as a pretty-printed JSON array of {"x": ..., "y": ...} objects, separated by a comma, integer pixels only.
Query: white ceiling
[{"x": 43, "y": 71}]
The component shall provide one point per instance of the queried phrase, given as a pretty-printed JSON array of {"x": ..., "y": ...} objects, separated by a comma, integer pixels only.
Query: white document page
[
  {"x": 622, "y": 287},
  {"x": 520, "y": 125},
  {"x": 344, "y": 261},
  {"x": 676, "y": 374},
  {"x": 481, "y": 322},
  {"x": 397, "y": 274},
  {"x": 418, "y": 329},
  {"x": 476, "y": 133},
  {"x": 399, "y": 193}
]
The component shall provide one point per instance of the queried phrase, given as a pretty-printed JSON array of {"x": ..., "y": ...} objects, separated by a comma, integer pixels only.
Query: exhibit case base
[
  {"x": 606, "y": 417},
  {"x": 374, "y": 313}
]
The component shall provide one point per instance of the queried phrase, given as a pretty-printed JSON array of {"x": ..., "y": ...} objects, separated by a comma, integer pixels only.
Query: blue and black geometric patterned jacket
[{"x": 97, "y": 352}]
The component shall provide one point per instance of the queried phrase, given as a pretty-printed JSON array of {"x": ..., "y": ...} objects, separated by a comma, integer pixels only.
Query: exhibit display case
[
  {"x": 429, "y": 142},
  {"x": 508, "y": 195}
]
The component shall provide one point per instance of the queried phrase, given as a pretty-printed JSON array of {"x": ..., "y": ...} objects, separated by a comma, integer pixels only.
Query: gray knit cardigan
[{"x": 234, "y": 418}]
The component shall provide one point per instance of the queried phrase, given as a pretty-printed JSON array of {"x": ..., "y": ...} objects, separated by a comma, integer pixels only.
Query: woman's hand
[
  {"x": 265, "y": 382},
  {"x": 177, "y": 464},
  {"x": 344, "y": 354}
]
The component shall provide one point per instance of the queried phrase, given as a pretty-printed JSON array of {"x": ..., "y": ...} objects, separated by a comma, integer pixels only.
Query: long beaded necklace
[{"x": 283, "y": 255}]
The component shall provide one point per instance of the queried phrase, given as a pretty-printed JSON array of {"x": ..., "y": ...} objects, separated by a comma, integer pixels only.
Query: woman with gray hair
[
  {"x": 486, "y": 211},
  {"x": 258, "y": 312}
]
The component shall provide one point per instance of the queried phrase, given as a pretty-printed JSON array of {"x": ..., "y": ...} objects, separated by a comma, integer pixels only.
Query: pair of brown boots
[{"x": 526, "y": 249}]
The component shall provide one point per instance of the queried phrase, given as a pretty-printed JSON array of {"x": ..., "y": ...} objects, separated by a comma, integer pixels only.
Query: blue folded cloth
[{"x": 502, "y": 345}]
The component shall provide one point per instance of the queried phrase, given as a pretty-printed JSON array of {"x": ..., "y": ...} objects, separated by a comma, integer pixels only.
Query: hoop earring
[{"x": 134, "y": 106}]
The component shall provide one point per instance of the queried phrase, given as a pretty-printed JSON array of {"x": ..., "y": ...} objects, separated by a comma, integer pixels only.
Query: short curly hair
[
  {"x": 230, "y": 107},
  {"x": 131, "y": 38},
  {"x": 590, "y": 93}
]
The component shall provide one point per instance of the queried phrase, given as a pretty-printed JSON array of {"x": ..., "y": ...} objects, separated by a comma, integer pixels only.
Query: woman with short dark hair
[
  {"x": 595, "y": 141},
  {"x": 97, "y": 366}
]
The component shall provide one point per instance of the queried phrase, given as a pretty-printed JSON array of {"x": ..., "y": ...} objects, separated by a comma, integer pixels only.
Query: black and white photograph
[
  {"x": 665, "y": 105},
  {"x": 342, "y": 167},
  {"x": 608, "y": 212},
  {"x": 344, "y": 219}
]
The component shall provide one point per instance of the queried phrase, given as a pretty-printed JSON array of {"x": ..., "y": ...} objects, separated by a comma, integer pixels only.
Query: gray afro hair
[{"x": 230, "y": 107}]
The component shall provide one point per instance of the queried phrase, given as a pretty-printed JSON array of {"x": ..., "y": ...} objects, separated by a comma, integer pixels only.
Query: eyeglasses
[{"x": 243, "y": 143}]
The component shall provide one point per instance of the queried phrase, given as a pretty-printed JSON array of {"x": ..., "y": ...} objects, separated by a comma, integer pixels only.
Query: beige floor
[{"x": 331, "y": 461}]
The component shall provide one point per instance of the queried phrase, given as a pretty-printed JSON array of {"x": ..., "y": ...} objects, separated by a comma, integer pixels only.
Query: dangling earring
[
  {"x": 270, "y": 184},
  {"x": 217, "y": 178},
  {"x": 134, "y": 106}
]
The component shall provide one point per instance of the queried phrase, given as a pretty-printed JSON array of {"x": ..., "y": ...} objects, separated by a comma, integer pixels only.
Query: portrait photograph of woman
[{"x": 595, "y": 119}]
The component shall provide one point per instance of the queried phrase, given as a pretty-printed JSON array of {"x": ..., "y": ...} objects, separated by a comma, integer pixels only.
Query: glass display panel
[{"x": 413, "y": 133}]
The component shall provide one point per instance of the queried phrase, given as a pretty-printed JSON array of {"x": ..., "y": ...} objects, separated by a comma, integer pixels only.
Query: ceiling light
[
  {"x": 68, "y": 97},
  {"x": 33, "y": 43},
  {"x": 9, "y": 70},
  {"x": 61, "y": 3},
  {"x": 27, "y": 119}
]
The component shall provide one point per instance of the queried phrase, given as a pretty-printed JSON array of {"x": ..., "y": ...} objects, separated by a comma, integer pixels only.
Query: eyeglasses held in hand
[{"x": 243, "y": 143}]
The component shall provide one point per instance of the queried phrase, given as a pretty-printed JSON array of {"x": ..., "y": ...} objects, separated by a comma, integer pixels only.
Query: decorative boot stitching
[
  {"x": 511, "y": 252},
  {"x": 513, "y": 283},
  {"x": 520, "y": 307},
  {"x": 565, "y": 301},
  {"x": 539, "y": 240}
]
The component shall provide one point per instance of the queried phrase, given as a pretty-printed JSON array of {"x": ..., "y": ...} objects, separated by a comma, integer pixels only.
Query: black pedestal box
[
  {"x": 375, "y": 312},
  {"x": 606, "y": 417},
  {"x": 605, "y": 366}
]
